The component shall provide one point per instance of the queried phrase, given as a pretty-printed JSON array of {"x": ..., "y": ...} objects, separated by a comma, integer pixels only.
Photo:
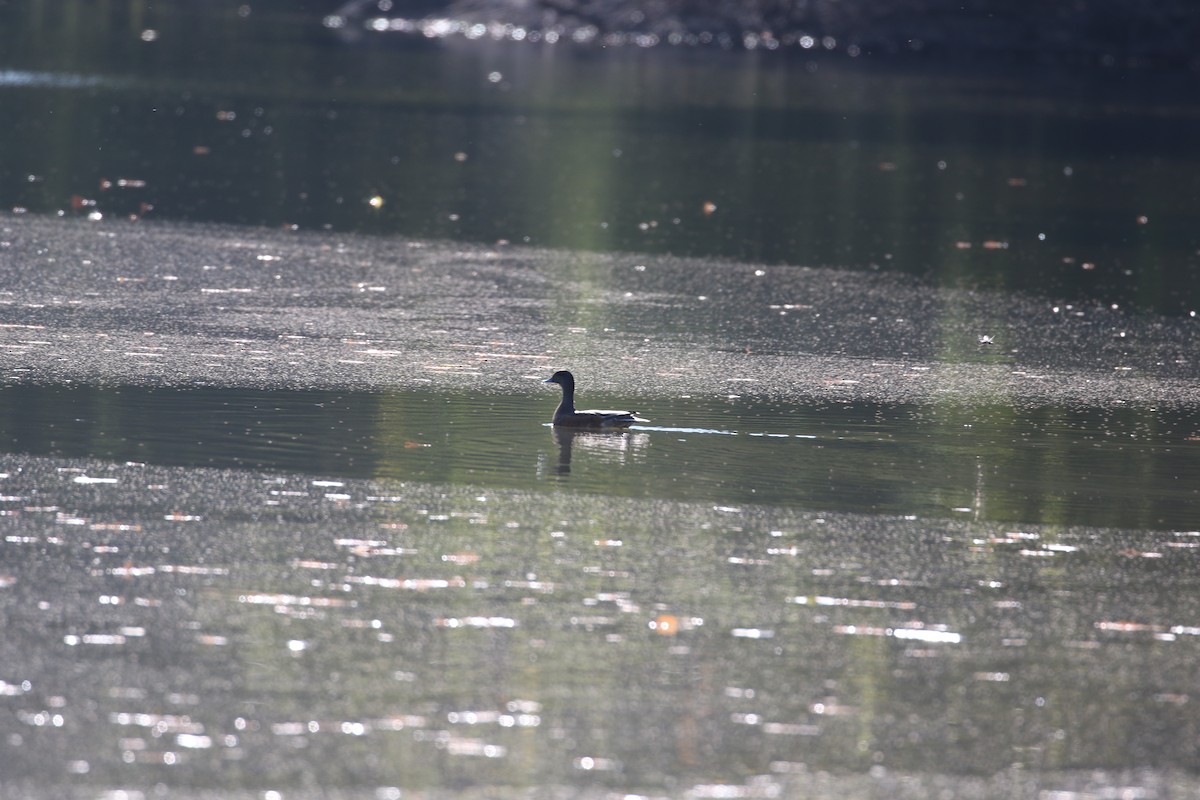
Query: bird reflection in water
[{"x": 616, "y": 446}]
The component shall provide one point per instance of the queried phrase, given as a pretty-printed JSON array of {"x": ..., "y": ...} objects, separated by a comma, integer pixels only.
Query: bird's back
[{"x": 597, "y": 418}]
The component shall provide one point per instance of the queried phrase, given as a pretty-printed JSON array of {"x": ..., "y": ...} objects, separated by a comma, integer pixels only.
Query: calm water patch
[{"x": 1108, "y": 467}]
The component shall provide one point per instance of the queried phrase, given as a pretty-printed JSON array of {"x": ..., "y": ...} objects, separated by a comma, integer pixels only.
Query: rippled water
[
  {"x": 231, "y": 592},
  {"x": 1073, "y": 182},
  {"x": 181, "y": 630}
]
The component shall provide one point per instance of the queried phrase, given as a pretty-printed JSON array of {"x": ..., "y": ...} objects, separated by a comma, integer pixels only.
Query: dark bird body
[{"x": 567, "y": 416}]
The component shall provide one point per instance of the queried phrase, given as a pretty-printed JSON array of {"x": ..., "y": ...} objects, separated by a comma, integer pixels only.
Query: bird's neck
[{"x": 567, "y": 406}]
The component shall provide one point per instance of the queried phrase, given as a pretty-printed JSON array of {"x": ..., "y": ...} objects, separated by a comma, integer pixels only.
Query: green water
[
  {"x": 1068, "y": 181},
  {"x": 775, "y": 588},
  {"x": 246, "y": 632},
  {"x": 1120, "y": 468}
]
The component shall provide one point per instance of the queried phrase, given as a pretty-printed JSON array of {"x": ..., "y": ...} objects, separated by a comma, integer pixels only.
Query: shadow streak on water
[{"x": 1127, "y": 467}]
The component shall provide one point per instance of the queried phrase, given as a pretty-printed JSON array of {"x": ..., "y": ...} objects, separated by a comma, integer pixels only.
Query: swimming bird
[{"x": 566, "y": 415}]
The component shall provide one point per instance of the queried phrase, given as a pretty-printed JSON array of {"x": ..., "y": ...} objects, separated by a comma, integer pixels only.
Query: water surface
[
  {"x": 1123, "y": 467},
  {"x": 788, "y": 583},
  {"x": 182, "y": 630},
  {"x": 1075, "y": 181}
]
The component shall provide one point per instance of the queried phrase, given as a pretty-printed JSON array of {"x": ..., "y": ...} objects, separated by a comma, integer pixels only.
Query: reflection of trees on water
[{"x": 1110, "y": 31}]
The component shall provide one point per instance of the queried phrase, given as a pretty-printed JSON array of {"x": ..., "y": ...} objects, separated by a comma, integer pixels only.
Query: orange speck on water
[
  {"x": 1126, "y": 626},
  {"x": 709, "y": 208},
  {"x": 410, "y": 445},
  {"x": 665, "y": 625}
]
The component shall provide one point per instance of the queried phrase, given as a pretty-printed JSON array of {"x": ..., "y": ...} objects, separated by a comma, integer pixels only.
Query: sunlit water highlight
[
  {"x": 53, "y": 80},
  {"x": 432, "y": 594},
  {"x": 244, "y": 630}
]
